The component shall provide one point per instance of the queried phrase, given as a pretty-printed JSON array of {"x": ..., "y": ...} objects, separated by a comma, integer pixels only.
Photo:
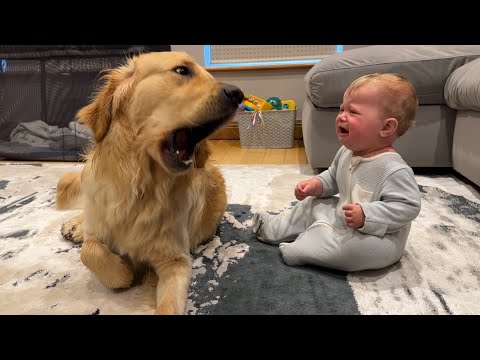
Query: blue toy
[{"x": 275, "y": 102}]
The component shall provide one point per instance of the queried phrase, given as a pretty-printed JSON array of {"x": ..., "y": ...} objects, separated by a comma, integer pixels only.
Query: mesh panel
[
  {"x": 42, "y": 89},
  {"x": 69, "y": 85},
  {"x": 20, "y": 94}
]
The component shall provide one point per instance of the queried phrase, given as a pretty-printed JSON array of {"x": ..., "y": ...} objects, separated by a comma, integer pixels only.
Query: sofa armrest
[{"x": 462, "y": 89}]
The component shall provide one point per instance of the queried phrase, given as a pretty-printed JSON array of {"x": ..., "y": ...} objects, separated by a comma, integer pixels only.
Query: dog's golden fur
[{"x": 149, "y": 194}]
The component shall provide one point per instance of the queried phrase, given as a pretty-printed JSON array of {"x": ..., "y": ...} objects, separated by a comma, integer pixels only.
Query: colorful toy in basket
[
  {"x": 289, "y": 105},
  {"x": 255, "y": 103},
  {"x": 275, "y": 102}
]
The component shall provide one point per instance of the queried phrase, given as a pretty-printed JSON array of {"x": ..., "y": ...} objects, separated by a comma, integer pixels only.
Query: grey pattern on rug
[
  {"x": 260, "y": 283},
  {"x": 41, "y": 273}
]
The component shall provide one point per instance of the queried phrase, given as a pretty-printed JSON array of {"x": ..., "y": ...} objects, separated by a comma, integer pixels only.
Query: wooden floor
[{"x": 230, "y": 152}]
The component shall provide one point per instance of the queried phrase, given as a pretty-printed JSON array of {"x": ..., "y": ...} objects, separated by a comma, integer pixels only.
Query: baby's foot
[
  {"x": 288, "y": 254},
  {"x": 257, "y": 223},
  {"x": 265, "y": 227}
]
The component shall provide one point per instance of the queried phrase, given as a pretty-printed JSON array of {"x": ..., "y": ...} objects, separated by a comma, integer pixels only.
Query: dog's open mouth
[{"x": 179, "y": 146}]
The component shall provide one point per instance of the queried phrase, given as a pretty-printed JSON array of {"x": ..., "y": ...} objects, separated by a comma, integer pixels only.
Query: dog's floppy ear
[
  {"x": 202, "y": 153},
  {"x": 98, "y": 115}
]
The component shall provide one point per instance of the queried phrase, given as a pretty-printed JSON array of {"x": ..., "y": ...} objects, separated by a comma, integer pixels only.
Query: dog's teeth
[{"x": 187, "y": 162}]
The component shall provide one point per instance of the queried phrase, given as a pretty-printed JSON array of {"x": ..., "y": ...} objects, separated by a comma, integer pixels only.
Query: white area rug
[{"x": 41, "y": 273}]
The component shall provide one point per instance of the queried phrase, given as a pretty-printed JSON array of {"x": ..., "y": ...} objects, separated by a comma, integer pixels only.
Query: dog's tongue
[{"x": 181, "y": 142}]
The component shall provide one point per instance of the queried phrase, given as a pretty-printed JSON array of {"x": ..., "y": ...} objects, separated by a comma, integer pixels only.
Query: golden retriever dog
[{"x": 148, "y": 192}]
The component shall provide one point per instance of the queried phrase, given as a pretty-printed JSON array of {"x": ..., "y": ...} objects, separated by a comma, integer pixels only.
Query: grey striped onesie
[{"x": 385, "y": 187}]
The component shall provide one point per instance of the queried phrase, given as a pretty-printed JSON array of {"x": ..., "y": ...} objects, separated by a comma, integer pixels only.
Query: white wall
[{"x": 286, "y": 84}]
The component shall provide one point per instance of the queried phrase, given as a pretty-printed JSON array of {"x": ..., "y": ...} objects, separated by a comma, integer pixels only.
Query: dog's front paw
[
  {"x": 110, "y": 269},
  {"x": 72, "y": 229},
  {"x": 114, "y": 274},
  {"x": 120, "y": 276},
  {"x": 166, "y": 309}
]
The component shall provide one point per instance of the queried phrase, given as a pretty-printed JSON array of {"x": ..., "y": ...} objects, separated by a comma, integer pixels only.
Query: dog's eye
[{"x": 182, "y": 70}]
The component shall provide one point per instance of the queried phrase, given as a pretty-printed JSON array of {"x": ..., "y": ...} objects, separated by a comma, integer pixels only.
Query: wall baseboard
[{"x": 230, "y": 132}]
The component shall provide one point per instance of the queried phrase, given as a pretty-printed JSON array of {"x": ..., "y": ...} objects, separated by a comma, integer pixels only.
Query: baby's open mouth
[{"x": 343, "y": 130}]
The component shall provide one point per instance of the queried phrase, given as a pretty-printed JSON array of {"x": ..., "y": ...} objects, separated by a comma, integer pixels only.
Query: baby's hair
[{"x": 399, "y": 97}]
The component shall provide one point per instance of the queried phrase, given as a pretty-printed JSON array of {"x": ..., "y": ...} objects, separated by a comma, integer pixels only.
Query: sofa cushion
[
  {"x": 462, "y": 89},
  {"x": 427, "y": 66}
]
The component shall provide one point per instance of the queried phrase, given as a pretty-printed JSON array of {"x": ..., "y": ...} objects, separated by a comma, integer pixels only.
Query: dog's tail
[{"x": 69, "y": 195}]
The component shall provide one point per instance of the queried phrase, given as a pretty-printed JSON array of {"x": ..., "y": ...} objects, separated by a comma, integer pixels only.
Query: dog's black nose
[{"x": 233, "y": 93}]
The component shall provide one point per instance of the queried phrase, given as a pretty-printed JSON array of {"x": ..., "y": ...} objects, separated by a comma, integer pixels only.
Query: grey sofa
[{"x": 447, "y": 80}]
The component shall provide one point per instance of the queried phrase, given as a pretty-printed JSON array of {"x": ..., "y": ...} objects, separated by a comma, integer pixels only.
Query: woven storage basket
[{"x": 275, "y": 129}]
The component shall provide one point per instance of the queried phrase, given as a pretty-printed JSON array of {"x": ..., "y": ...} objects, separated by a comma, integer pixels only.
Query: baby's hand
[
  {"x": 309, "y": 187},
  {"x": 354, "y": 216}
]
